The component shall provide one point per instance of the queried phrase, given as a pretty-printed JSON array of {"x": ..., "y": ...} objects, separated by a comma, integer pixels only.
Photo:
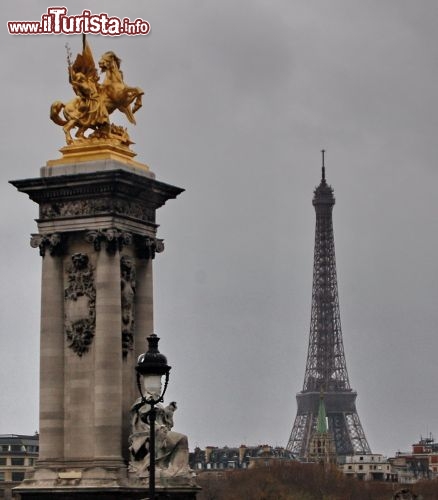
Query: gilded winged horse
[{"x": 95, "y": 101}]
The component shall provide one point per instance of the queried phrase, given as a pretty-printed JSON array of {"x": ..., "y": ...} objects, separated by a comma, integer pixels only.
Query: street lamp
[{"x": 151, "y": 366}]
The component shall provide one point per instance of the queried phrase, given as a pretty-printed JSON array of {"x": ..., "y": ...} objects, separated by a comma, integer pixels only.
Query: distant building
[
  {"x": 17, "y": 454},
  {"x": 421, "y": 463},
  {"x": 404, "y": 468},
  {"x": 214, "y": 458},
  {"x": 370, "y": 467}
]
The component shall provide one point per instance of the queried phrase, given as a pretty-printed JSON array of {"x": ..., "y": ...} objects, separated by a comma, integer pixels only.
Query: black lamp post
[{"x": 153, "y": 365}]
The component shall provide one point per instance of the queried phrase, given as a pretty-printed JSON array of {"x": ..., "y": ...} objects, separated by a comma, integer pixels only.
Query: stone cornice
[{"x": 114, "y": 183}]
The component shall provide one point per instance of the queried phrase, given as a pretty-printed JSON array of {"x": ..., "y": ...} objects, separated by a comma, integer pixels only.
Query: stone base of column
[
  {"x": 75, "y": 474},
  {"x": 108, "y": 481}
]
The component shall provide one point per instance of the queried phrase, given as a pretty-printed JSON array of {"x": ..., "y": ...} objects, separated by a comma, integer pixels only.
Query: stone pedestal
[{"x": 97, "y": 238}]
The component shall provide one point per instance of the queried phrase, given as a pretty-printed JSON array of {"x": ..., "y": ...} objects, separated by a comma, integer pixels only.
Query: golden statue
[{"x": 95, "y": 101}]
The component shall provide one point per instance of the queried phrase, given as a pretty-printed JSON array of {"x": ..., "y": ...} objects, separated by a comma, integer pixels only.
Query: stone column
[
  {"x": 51, "y": 349},
  {"x": 108, "y": 356},
  {"x": 87, "y": 384},
  {"x": 144, "y": 307}
]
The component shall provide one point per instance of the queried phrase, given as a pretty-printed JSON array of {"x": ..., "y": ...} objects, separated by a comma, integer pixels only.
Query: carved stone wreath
[{"x": 80, "y": 304}]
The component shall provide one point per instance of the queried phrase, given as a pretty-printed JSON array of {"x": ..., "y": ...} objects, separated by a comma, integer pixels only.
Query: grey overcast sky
[{"x": 241, "y": 96}]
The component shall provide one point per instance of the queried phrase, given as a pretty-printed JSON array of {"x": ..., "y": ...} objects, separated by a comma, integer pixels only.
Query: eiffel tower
[{"x": 326, "y": 370}]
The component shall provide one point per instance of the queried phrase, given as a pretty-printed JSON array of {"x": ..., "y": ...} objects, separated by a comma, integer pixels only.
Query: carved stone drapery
[
  {"x": 80, "y": 304},
  {"x": 52, "y": 242},
  {"x": 147, "y": 247},
  {"x": 113, "y": 238},
  {"x": 128, "y": 277}
]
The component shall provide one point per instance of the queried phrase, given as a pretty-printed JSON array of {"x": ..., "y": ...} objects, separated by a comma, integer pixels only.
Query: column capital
[
  {"x": 147, "y": 247},
  {"x": 114, "y": 239},
  {"x": 54, "y": 242}
]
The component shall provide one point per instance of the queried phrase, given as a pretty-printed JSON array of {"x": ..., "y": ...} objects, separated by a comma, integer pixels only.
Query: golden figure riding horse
[{"x": 95, "y": 101}]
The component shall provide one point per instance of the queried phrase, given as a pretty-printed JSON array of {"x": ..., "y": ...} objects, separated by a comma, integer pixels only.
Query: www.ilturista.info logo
[{"x": 56, "y": 22}]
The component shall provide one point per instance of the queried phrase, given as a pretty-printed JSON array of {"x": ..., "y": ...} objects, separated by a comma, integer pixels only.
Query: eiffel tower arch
[{"x": 326, "y": 370}]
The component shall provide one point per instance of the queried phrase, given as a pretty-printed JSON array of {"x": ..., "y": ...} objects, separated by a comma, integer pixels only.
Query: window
[
  {"x": 2, "y": 460},
  {"x": 17, "y": 461},
  {"x": 17, "y": 476},
  {"x": 360, "y": 467},
  {"x": 2, "y": 476}
]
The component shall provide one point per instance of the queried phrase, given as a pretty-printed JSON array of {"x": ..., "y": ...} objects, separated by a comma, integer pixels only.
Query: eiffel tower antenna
[{"x": 323, "y": 165}]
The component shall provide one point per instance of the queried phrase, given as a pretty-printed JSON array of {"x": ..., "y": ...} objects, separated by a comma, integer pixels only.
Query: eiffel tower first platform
[{"x": 326, "y": 370}]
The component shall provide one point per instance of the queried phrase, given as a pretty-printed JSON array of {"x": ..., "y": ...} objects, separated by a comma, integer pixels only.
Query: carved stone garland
[
  {"x": 80, "y": 304},
  {"x": 75, "y": 208},
  {"x": 127, "y": 271}
]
